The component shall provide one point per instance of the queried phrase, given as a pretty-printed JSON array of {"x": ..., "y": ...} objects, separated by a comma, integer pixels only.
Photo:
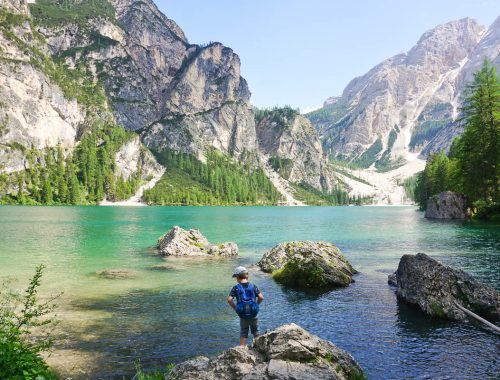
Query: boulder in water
[
  {"x": 288, "y": 352},
  {"x": 180, "y": 242},
  {"x": 435, "y": 288},
  {"x": 308, "y": 264},
  {"x": 447, "y": 205}
]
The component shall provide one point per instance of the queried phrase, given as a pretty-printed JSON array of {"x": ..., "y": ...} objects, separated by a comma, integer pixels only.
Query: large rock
[
  {"x": 434, "y": 287},
  {"x": 179, "y": 242},
  {"x": 308, "y": 264},
  {"x": 288, "y": 352},
  {"x": 447, "y": 205}
]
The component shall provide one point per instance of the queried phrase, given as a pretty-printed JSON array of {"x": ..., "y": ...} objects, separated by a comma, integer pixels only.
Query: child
[{"x": 248, "y": 298}]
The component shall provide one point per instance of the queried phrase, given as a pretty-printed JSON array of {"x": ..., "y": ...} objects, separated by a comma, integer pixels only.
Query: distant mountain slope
[{"x": 407, "y": 104}]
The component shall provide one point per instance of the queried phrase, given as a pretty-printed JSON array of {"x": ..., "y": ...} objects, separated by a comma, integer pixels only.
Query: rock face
[
  {"x": 447, "y": 205},
  {"x": 293, "y": 148},
  {"x": 179, "y": 95},
  {"x": 288, "y": 352},
  {"x": 434, "y": 287},
  {"x": 133, "y": 156},
  {"x": 179, "y": 242},
  {"x": 408, "y": 103},
  {"x": 308, "y": 264},
  {"x": 33, "y": 109}
]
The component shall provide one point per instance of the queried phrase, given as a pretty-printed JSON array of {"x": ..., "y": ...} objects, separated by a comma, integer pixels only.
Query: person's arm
[
  {"x": 260, "y": 298},
  {"x": 231, "y": 302}
]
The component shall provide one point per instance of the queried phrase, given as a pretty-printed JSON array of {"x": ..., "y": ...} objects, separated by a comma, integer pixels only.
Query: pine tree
[{"x": 477, "y": 151}]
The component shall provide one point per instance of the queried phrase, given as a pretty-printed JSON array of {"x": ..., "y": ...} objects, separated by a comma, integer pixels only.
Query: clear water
[{"x": 159, "y": 317}]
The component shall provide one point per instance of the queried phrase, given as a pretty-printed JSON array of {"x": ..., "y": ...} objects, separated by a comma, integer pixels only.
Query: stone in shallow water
[
  {"x": 435, "y": 288},
  {"x": 179, "y": 242},
  {"x": 288, "y": 352},
  {"x": 308, "y": 264},
  {"x": 117, "y": 274}
]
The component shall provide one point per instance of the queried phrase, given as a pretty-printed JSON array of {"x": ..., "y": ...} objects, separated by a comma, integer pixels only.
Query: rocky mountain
[
  {"x": 292, "y": 147},
  {"x": 407, "y": 105},
  {"x": 177, "y": 95},
  {"x": 66, "y": 66}
]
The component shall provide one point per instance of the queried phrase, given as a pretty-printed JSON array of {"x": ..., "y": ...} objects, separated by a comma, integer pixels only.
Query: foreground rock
[
  {"x": 308, "y": 264},
  {"x": 434, "y": 287},
  {"x": 179, "y": 242},
  {"x": 447, "y": 205},
  {"x": 288, "y": 352}
]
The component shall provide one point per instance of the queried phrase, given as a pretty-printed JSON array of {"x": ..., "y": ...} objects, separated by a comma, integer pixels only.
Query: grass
[
  {"x": 54, "y": 13},
  {"x": 153, "y": 375}
]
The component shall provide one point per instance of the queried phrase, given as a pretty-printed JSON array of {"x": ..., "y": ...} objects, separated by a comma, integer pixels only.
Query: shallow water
[{"x": 166, "y": 316}]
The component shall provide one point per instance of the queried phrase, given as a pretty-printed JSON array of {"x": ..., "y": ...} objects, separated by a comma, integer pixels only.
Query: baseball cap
[{"x": 239, "y": 270}]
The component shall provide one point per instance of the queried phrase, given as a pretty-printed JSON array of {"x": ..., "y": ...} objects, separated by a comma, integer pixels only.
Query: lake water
[{"x": 159, "y": 317}]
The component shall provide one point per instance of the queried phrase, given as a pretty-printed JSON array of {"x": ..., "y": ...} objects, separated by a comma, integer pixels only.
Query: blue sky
[{"x": 301, "y": 52}]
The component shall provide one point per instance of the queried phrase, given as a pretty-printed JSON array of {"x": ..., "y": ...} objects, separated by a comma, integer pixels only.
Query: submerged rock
[
  {"x": 308, "y": 264},
  {"x": 179, "y": 242},
  {"x": 447, "y": 205},
  {"x": 434, "y": 287},
  {"x": 288, "y": 352},
  {"x": 117, "y": 274}
]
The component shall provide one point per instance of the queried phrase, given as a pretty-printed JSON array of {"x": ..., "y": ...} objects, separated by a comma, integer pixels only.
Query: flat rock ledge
[
  {"x": 447, "y": 205},
  {"x": 179, "y": 242},
  {"x": 434, "y": 287},
  {"x": 308, "y": 265},
  {"x": 288, "y": 352}
]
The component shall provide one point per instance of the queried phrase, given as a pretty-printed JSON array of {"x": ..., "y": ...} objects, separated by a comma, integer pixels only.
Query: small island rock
[
  {"x": 288, "y": 352},
  {"x": 435, "y": 288},
  {"x": 308, "y": 264},
  {"x": 447, "y": 205},
  {"x": 179, "y": 242}
]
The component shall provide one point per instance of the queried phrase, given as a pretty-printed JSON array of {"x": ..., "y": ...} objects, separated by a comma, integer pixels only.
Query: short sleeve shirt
[{"x": 234, "y": 290}]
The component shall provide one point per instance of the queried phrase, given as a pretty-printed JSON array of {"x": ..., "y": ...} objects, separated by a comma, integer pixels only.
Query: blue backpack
[{"x": 247, "y": 306}]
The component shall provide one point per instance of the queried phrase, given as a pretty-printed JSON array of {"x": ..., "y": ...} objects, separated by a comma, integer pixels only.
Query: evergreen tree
[{"x": 477, "y": 151}]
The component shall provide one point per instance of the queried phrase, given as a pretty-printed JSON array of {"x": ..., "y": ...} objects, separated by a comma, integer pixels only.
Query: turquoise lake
[{"x": 159, "y": 317}]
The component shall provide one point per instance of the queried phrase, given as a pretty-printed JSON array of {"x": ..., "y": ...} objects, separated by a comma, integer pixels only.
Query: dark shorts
[{"x": 251, "y": 324}]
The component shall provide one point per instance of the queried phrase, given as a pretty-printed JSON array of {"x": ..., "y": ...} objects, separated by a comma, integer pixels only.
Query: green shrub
[
  {"x": 20, "y": 348},
  {"x": 154, "y": 375}
]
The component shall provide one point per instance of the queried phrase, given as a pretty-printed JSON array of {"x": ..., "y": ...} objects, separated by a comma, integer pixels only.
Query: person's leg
[
  {"x": 244, "y": 327},
  {"x": 254, "y": 325}
]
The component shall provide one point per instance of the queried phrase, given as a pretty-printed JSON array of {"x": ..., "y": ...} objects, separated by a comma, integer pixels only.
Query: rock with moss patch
[
  {"x": 288, "y": 352},
  {"x": 180, "y": 242},
  {"x": 308, "y": 264},
  {"x": 435, "y": 288}
]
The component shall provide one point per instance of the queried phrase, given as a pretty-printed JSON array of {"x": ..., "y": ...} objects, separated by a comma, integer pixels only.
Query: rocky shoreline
[{"x": 288, "y": 352}]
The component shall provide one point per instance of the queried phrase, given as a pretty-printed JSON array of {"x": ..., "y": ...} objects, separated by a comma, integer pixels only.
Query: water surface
[{"x": 166, "y": 316}]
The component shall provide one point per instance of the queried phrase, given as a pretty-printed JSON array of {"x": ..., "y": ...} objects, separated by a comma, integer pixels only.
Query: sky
[{"x": 300, "y": 52}]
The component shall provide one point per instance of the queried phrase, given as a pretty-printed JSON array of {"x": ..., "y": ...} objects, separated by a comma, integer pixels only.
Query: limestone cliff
[
  {"x": 177, "y": 95},
  {"x": 291, "y": 146},
  {"x": 44, "y": 104},
  {"x": 407, "y": 104}
]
